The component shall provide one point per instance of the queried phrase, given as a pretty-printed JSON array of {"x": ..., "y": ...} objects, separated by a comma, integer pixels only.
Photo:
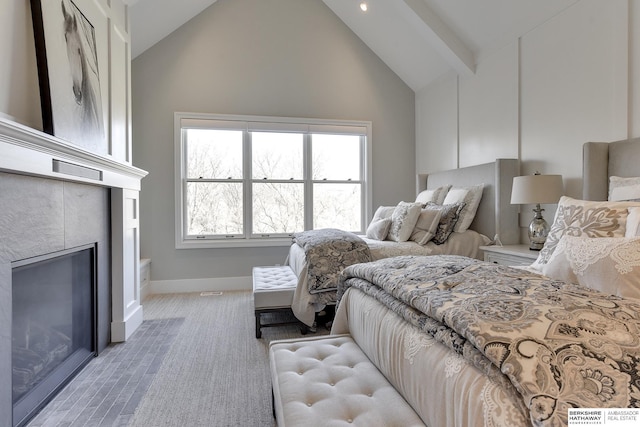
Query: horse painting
[{"x": 83, "y": 62}]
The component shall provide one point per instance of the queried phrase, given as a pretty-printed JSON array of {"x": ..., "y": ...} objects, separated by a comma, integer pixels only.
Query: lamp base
[
  {"x": 536, "y": 246},
  {"x": 538, "y": 230}
]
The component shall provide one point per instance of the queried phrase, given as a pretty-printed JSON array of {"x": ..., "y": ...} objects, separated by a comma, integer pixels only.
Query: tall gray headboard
[
  {"x": 496, "y": 214},
  {"x": 600, "y": 160}
]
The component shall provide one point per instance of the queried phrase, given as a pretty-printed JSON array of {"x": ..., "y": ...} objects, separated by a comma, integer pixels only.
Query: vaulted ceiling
[{"x": 418, "y": 39}]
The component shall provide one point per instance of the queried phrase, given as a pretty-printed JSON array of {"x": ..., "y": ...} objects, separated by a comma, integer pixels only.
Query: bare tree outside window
[{"x": 281, "y": 182}]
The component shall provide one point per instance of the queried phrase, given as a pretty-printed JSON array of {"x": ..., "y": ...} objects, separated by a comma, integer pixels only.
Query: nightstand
[{"x": 510, "y": 254}]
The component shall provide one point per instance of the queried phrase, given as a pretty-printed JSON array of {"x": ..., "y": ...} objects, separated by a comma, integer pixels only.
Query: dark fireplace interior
[{"x": 54, "y": 325}]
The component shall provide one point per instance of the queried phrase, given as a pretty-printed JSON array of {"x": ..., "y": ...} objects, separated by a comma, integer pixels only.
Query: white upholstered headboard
[
  {"x": 496, "y": 215},
  {"x": 600, "y": 160}
]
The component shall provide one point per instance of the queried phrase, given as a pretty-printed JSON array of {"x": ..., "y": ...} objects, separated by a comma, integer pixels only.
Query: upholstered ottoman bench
[
  {"x": 328, "y": 380},
  {"x": 273, "y": 289}
]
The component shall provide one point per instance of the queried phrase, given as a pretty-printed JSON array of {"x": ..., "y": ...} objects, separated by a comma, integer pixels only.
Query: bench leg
[
  {"x": 273, "y": 403},
  {"x": 258, "y": 325}
]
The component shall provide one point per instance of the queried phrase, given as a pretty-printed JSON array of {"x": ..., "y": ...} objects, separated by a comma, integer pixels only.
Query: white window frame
[{"x": 246, "y": 123}]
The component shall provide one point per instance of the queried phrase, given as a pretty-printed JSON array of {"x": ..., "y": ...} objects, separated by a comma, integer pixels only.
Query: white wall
[
  {"x": 276, "y": 58},
  {"x": 573, "y": 79}
]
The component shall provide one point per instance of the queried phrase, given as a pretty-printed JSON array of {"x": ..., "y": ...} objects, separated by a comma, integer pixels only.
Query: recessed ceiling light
[{"x": 363, "y": 6}]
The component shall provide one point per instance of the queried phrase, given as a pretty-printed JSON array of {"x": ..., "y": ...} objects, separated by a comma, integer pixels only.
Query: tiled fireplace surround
[{"x": 42, "y": 211}]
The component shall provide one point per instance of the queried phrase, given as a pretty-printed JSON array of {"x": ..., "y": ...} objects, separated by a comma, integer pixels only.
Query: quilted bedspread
[
  {"x": 559, "y": 345},
  {"x": 328, "y": 251}
]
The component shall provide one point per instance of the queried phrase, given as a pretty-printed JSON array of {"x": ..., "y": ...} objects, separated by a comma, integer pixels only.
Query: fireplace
[
  {"x": 54, "y": 325},
  {"x": 45, "y": 209}
]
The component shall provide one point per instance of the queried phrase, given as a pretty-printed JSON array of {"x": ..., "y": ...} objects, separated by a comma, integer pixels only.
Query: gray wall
[{"x": 260, "y": 57}]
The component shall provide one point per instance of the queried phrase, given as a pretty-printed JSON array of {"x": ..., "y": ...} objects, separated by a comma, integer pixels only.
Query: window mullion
[
  {"x": 364, "y": 199},
  {"x": 248, "y": 184},
  {"x": 184, "y": 181},
  {"x": 308, "y": 182}
]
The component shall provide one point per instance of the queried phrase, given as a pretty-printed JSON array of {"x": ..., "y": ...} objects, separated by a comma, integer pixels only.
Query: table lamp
[{"x": 537, "y": 189}]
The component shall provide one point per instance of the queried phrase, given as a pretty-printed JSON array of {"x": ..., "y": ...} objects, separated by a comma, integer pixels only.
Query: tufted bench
[
  {"x": 273, "y": 289},
  {"x": 325, "y": 381}
]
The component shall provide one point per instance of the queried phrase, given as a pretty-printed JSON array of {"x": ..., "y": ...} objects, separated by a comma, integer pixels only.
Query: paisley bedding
[
  {"x": 553, "y": 344},
  {"x": 328, "y": 251}
]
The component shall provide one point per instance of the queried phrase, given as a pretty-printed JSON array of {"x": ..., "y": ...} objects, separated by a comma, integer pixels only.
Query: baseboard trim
[
  {"x": 201, "y": 285},
  {"x": 145, "y": 291},
  {"x": 121, "y": 331}
]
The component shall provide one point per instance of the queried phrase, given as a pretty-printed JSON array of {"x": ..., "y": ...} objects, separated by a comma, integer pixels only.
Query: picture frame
[{"x": 68, "y": 73}]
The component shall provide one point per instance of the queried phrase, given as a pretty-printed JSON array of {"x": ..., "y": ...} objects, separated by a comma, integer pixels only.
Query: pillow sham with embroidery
[
  {"x": 403, "y": 219},
  {"x": 379, "y": 228},
  {"x": 426, "y": 226},
  {"x": 470, "y": 196},
  {"x": 435, "y": 195},
  {"x": 624, "y": 189},
  {"x": 584, "y": 218},
  {"x": 449, "y": 215},
  {"x": 609, "y": 264}
]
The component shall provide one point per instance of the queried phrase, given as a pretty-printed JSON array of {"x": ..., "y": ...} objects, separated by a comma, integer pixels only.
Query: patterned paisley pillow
[
  {"x": 448, "y": 219},
  {"x": 470, "y": 196},
  {"x": 403, "y": 219},
  {"x": 584, "y": 218},
  {"x": 610, "y": 265}
]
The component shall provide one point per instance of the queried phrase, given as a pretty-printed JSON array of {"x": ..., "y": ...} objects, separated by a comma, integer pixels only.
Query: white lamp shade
[{"x": 534, "y": 189}]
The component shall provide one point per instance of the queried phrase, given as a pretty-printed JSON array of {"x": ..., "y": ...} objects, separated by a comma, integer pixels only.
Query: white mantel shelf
[{"x": 25, "y": 150}]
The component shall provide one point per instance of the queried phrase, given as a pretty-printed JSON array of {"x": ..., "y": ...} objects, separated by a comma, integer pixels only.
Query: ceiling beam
[{"x": 439, "y": 35}]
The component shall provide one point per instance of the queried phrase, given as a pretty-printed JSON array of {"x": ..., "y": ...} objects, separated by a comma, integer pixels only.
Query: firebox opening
[{"x": 54, "y": 326}]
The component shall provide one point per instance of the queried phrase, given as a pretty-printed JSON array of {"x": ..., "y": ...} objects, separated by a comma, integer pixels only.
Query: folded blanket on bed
[
  {"x": 560, "y": 345},
  {"x": 328, "y": 251}
]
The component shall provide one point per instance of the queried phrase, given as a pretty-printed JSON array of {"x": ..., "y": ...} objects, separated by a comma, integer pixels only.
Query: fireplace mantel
[
  {"x": 27, "y": 151},
  {"x": 31, "y": 152}
]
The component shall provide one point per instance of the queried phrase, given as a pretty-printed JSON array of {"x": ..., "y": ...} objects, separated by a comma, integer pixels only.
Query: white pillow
[
  {"x": 403, "y": 219},
  {"x": 624, "y": 188},
  {"x": 426, "y": 226},
  {"x": 379, "y": 228},
  {"x": 435, "y": 195},
  {"x": 383, "y": 212},
  {"x": 607, "y": 264},
  {"x": 633, "y": 222},
  {"x": 470, "y": 196},
  {"x": 584, "y": 218}
]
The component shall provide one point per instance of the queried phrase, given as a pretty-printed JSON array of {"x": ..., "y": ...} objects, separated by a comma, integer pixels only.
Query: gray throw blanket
[{"x": 328, "y": 251}]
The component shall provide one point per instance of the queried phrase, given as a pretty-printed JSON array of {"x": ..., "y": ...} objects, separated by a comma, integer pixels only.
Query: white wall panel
[
  {"x": 437, "y": 125},
  {"x": 489, "y": 109},
  {"x": 573, "y": 88},
  {"x": 120, "y": 144},
  {"x": 634, "y": 69}
]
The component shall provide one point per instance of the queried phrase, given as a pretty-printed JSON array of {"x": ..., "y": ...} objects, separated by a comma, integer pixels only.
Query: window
[{"x": 253, "y": 181}]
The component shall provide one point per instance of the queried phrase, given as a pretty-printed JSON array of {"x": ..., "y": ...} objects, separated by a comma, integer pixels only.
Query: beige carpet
[{"x": 216, "y": 372}]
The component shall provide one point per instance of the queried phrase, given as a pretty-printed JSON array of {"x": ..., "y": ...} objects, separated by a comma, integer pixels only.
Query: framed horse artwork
[{"x": 68, "y": 73}]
